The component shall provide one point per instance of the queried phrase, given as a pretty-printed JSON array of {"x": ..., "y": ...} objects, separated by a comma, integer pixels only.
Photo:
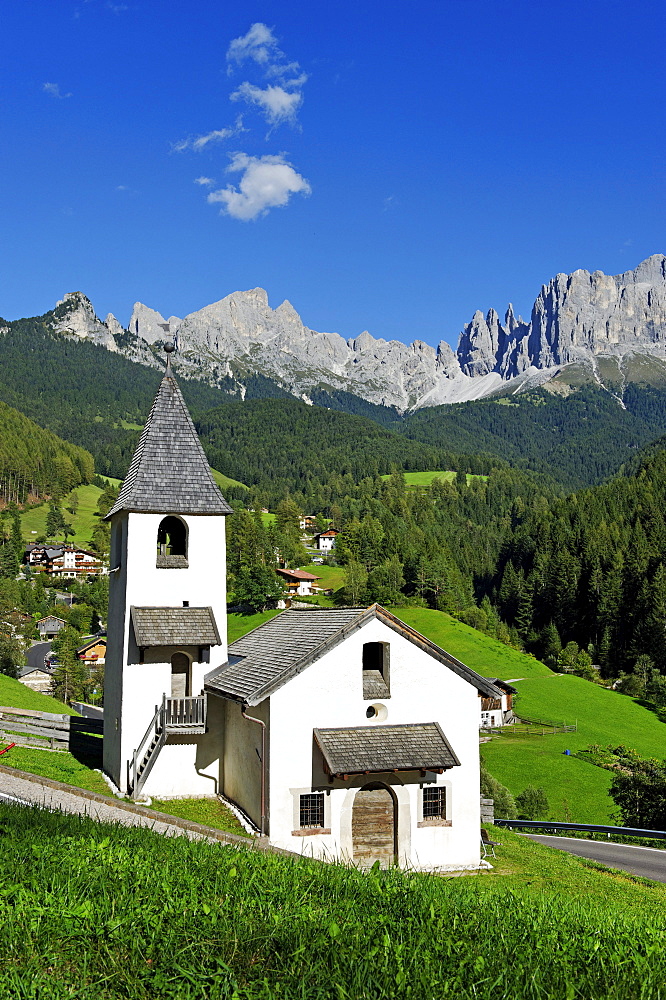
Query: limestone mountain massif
[{"x": 579, "y": 319}]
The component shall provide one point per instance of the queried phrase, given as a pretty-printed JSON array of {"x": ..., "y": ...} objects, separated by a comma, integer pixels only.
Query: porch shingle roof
[
  {"x": 175, "y": 627},
  {"x": 371, "y": 749}
]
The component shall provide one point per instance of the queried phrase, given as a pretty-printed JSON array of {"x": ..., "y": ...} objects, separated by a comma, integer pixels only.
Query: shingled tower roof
[{"x": 169, "y": 473}]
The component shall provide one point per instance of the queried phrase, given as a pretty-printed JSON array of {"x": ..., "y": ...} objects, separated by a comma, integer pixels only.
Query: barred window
[
  {"x": 434, "y": 802},
  {"x": 312, "y": 810}
]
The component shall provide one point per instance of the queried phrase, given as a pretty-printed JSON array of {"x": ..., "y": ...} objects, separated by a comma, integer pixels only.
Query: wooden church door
[{"x": 374, "y": 826}]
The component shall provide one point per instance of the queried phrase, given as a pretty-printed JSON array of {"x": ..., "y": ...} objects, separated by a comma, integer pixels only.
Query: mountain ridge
[{"x": 576, "y": 319}]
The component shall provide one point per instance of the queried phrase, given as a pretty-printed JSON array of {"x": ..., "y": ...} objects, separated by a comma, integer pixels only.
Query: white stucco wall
[
  {"x": 133, "y": 689},
  {"x": 330, "y": 694}
]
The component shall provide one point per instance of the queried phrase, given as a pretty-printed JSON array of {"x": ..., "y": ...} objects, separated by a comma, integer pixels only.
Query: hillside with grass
[
  {"x": 577, "y": 790},
  {"x": 101, "y": 911}
]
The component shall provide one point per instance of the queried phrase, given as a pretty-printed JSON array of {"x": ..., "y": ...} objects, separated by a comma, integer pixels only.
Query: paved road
[
  {"x": 648, "y": 862},
  {"x": 15, "y": 789}
]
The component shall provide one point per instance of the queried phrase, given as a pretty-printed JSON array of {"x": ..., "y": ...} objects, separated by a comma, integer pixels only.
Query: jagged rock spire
[{"x": 169, "y": 472}]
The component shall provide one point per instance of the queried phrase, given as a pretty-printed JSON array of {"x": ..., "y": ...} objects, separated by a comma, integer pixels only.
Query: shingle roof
[
  {"x": 169, "y": 472},
  {"x": 266, "y": 658},
  {"x": 297, "y": 574},
  {"x": 175, "y": 627},
  {"x": 366, "y": 749}
]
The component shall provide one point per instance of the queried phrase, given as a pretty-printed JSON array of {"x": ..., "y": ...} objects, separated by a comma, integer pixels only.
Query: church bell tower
[{"x": 167, "y": 608}]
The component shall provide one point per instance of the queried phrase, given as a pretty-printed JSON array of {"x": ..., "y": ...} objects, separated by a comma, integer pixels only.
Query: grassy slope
[
  {"x": 13, "y": 694},
  {"x": 577, "y": 791},
  {"x": 224, "y": 481},
  {"x": 33, "y": 521},
  {"x": 101, "y": 911},
  {"x": 331, "y": 577},
  {"x": 426, "y": 478}
]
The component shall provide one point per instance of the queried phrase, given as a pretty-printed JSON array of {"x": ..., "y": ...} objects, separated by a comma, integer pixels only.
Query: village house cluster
[{"x": 63, "y": 562}]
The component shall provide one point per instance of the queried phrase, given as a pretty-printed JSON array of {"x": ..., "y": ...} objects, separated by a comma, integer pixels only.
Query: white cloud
[
  {"x": 259, "y": 44},
  {"x": 54, "y": 90},
  {"x": 204, "y": 181},
  {"x": 199, "y": 142},
  {"x": 277, "y": 104},
  {"x": 267, "y": 182}
]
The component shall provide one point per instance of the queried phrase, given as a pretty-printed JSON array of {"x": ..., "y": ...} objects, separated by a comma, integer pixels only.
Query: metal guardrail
[{"x": 620, "y": 831}]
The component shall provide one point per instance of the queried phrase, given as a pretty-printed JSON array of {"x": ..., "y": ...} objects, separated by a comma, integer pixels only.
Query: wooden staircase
[{"x": 177, "y": 716}]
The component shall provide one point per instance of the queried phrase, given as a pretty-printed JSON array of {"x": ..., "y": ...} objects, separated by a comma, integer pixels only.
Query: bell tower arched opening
[{"x": 172, "y": 543}]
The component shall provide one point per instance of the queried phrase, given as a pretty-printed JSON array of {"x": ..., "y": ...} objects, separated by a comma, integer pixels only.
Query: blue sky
[{"x": 384, "y": 164}]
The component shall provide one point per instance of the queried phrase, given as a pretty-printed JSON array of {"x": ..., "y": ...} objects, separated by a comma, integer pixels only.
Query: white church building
[{"x": 340, "y": 733}]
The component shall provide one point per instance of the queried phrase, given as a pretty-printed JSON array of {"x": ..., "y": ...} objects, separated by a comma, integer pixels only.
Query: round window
[{"x": 377, "y": 711}]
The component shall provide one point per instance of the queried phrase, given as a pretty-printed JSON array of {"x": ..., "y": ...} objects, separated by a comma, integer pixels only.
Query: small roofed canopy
[
  {"x": 169, "y": 472},
  {"x": 376, "y": 749},
  {"x": 174, "y": 627}
]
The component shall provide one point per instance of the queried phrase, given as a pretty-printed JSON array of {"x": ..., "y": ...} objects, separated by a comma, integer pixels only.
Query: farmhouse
[
  {"x": 49, "y": 627},
  {"x": 498, "y": 711},
  {"x": 298, "y": 582},
  {"x": 340, "y": 733},
  {"x": 325, "y": 540}
]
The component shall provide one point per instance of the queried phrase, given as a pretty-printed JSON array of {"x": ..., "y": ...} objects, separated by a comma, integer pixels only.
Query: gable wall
[{"x": 329, "y": 693}]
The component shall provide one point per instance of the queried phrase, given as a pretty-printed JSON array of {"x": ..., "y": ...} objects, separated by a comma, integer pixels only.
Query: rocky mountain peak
[{"x": 576, "y": 317}]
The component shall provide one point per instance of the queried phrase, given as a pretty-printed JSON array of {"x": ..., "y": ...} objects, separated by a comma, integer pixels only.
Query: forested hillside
[
  {"x": 83, "y": 392},
  {"x": 284, "y": 446},
  {"x": 593, "y": 565},
  {"x": 35, "y": 461},
  {"x": 580, "y": 438}
]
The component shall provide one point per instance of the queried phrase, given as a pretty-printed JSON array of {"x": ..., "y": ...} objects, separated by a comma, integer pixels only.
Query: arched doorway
[
  {"x": 374, "y": 825},
  {"x": 180, "y": 676}
]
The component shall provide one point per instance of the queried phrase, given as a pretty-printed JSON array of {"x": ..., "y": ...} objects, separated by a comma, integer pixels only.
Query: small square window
[
  {"x": 312, "y": 810},
  {"x": 434, "y": 802}
]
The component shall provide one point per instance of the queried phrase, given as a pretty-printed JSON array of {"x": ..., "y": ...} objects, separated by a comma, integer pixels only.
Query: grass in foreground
[{"x": 100, "y": 912}]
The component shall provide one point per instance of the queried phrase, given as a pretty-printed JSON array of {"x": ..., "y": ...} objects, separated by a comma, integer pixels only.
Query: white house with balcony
[{"x": 341, "y": 733}]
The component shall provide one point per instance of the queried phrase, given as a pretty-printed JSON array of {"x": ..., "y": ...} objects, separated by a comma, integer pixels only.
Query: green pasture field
[
  {"x": 99, "y": 911},
  {"x": 13, "y": 694},
  {"x": 33, "y": 521},
  {"x": 577, "y": 790},
  {"x": 224, "y": 481},
  {"x": 331, "y": 577},
  {"x": 426, "y": 478}
]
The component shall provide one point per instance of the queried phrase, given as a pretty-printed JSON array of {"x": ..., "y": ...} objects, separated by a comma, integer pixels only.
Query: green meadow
[
  {"x": 33, "y": 521},
  {"x": 97, "y": 912},
  {"x": 428, "y": 477},
  {"x": 577, "y": 790}
]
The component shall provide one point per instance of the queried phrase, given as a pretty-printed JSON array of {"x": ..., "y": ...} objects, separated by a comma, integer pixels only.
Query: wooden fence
[
  {"x": 530, "y": 727},
  {"x": 50, "y": 731}
]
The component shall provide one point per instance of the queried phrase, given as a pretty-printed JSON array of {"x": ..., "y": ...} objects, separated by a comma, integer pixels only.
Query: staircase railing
[
  {"x": 173, "y": 715},
  {"x": 155, "y": 728},
  {"x": 185, "y": 712}
]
